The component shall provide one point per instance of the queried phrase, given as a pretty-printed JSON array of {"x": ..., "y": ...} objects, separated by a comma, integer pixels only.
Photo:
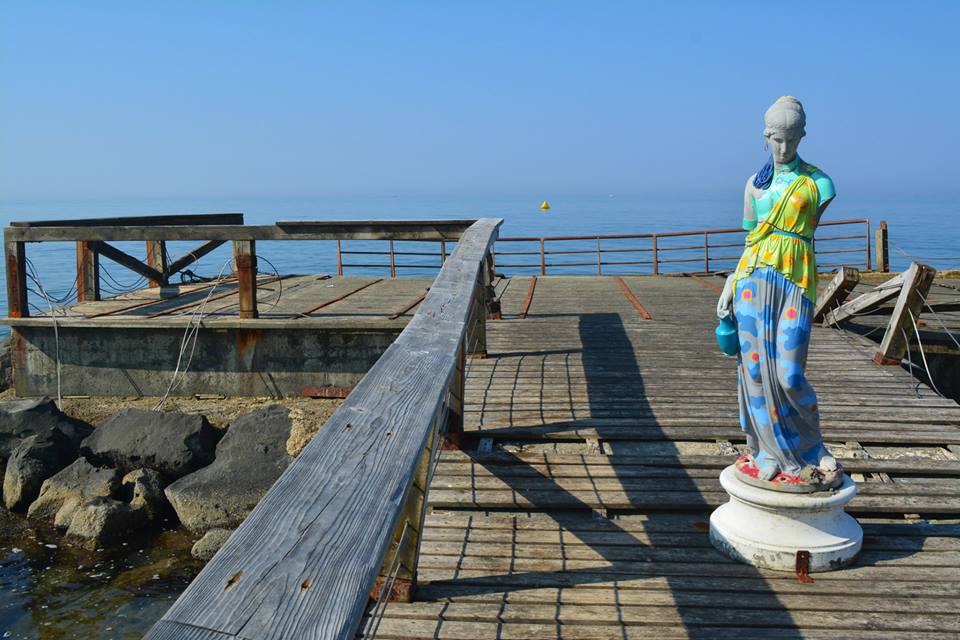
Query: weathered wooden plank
[
  {"x": 175, "y": 219},
  {"x": 916, "y": 285},
  {"x": 328, "y": 520},
  {"x": 192, "y": 256},
  {"x": 16, "y": 264},
  {"x": 125, "y": 259},
  {"x": 433, "y": 230},
  {"x": 861, "y": 304},
  {"x": 836, "y": 291}
]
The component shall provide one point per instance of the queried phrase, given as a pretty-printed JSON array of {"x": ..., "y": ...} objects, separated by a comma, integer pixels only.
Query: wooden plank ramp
[{"x": 578, "y": 505}]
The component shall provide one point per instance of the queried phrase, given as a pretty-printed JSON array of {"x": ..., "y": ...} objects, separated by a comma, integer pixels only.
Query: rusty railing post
[
  {"x": 393, "y": 264},
  {"x": 599, "y": 269},
  {"x": 543, "y": 259},
  {"x": 706, "y": 252},
  {"x": 866, "y": 266},
  {"x": 882, "y": 262},
  {"x": 656, "y": 262},
  {"x": 88, "y": 272},
  {"x": 157, "y": 259},
  {"x": 16, "y": 279},
  {"x": 339, "y": 260},
  {"x": 245, "y": 264}
]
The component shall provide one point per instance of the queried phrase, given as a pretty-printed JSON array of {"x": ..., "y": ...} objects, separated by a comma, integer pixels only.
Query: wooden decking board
[{"x": 514, "y": 549}]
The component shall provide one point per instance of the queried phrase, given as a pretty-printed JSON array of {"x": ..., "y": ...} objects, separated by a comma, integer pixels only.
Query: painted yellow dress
[{"x": 774, "y": 295}]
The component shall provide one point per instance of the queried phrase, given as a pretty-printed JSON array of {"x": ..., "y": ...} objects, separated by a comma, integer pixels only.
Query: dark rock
[
  {"x": 210, "y": 543},
  {"x": 63, "y": 492},
  {"x": 6, "y": 365},
  {"x": 250, "y": 458},
  {"x": 103, "y": 520},
  {"x": 20, "y": 419},
  {"x": 143, "y": 489},
  {"x": 37, "y": 458},
  {"x": 172, "y": 443}
]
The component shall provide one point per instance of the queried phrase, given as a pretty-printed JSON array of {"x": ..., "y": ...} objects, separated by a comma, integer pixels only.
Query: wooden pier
[{"x": 537, "y": 457}]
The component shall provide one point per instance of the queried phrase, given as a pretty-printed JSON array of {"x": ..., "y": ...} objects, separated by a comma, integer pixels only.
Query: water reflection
[{"x": 53, "y": 589}]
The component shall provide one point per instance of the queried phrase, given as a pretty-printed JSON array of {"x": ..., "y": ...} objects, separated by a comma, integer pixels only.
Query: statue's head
[{"x": 785, "y": 125}]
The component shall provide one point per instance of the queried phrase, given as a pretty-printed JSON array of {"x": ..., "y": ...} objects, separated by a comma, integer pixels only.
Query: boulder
[
  {"x": 6, "y": 365},
  {"x": 210, "y": 543},
  {"x": 63, "y": 492},
  {"x": 172, "y": 443},
  {"x": 37, "y": 458},
  {"x": 103, "y": 520},
  {"x": 20, "y": 419},
  {"x": 250, "y": 458},
  {"x": 143, "y": 489}
]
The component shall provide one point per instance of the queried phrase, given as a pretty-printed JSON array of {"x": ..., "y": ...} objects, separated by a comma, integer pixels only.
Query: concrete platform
[{"x": 313, "y": 330}]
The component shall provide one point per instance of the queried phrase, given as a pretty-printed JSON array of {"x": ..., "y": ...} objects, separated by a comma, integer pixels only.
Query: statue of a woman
[{"x": 772, "y": 293}]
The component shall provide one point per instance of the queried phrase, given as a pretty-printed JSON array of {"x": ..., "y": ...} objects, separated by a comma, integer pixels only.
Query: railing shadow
[{"x": 699, "y": 580}]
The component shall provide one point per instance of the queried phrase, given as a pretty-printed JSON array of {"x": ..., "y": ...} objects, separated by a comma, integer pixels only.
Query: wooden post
[
  {"x": 404, "y": 551},
  {"x": 88, "y": 272},
  {"x": 491, "y": 303},
  {"x": 656, "y": 263},
  {"x": 16, "y": 280},
  {"x": 245, "y": 265},
  {"x": 339, "y": 260},
  {"x": 477, "y": 322},
  {"x": 836, "y": 292},
  {"x": 454, "y": 438},
  {"x": 393, "y": 264},
  {"x": 443, "y": 252},
  {"x": 157, "y": 259},
  {"x": 882, "y": 260},
  {"x": 916, "y": 285},
  {"x": 599, "y": 270},
  {"x": 543, "y": 259}
]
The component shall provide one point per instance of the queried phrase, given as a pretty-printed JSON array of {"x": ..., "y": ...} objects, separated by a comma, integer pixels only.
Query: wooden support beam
[
  {"x": 157, "y": 260},
  {"x": 16, "y": 280},
  {"x": 477, "y": 322},
  {"x": 882, "y": 259},
  {"x": 190, "y": 257},
  {"x": 126, "y": 260},
  {"x": 867, "y": 302},
  {"x": 916, "y": 285},
  {"x": 192, "y": 219},
  {"x": 492, "y": 303},
  {"x": 245, "y": 263},
  {"x": 88, "y": 272},
  {"x": 835, "y": 294},
  {"x": 453, "y": 439}
]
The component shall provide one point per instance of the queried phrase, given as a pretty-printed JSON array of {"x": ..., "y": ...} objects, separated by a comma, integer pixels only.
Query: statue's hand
[{"x": 725, "y": 303}]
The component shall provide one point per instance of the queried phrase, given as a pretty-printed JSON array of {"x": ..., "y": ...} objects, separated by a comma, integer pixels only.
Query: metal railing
[{"x": 848, "y": 244}]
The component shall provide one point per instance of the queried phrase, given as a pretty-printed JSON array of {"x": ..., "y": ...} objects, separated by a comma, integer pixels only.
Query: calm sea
[
  {"x": 926, "y": 228},
  {"x": 52, "y": 591}
]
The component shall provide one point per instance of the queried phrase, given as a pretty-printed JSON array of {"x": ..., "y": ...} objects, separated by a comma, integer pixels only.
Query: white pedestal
[{"x": 766, "y": 528}]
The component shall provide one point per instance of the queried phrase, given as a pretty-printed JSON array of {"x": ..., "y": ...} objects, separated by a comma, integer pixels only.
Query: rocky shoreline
[{"x": 140, "y": 472}]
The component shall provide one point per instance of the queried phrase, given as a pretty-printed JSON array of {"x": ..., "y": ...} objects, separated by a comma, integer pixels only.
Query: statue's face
[{"x": 783, "y": 145}]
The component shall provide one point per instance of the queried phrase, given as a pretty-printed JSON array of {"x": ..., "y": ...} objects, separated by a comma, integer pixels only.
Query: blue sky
[{"x": 129, "y": 99}]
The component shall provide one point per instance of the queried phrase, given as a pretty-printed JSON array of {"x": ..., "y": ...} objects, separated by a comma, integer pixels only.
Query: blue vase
[{"x": 727, "y": 336}]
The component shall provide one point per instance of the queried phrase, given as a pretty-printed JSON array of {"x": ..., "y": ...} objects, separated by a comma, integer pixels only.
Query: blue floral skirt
[{"x": 778, "y": 407}]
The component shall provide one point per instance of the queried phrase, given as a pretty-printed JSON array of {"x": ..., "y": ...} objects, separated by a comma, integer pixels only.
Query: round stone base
[{"x": 767, "y": 528}]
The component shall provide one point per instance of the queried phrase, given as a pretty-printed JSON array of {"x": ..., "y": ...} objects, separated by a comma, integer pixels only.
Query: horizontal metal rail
[{"x": 663, "y": 250}]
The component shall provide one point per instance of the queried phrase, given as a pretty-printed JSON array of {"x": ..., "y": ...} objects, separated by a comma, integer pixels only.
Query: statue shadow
[{"x": 649, "y": 546}]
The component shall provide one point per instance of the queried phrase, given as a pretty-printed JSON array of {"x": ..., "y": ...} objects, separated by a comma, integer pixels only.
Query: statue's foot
[{"x": 767, "y": 469}]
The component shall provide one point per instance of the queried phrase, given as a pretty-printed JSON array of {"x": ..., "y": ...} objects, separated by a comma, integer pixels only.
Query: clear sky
[{"x": 283, "y": 98}]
